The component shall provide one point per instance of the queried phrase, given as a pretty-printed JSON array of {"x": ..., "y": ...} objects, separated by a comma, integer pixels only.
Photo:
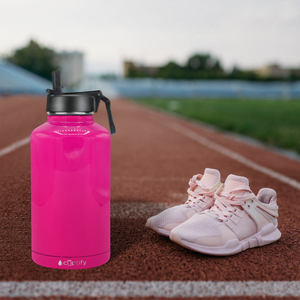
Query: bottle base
[{"x": 70, "y": 263}]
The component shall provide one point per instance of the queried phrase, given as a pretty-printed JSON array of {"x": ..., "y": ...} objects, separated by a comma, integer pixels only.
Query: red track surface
[{"x": 150, "y": 163}]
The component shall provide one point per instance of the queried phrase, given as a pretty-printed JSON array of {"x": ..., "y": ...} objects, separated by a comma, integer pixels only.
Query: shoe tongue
[
  {"x": 234, "y": 181},
  {"x": 209, "y": 178}
]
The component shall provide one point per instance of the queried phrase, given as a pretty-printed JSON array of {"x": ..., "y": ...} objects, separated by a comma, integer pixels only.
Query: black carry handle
[{"x": 109, "y": 114}]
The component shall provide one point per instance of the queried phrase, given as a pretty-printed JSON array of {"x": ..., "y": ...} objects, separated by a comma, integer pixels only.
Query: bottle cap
[{"x": 78, "y": 103}]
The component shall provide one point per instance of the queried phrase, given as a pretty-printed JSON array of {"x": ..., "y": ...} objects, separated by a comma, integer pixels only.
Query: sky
[{"x": 249, "y": 33}]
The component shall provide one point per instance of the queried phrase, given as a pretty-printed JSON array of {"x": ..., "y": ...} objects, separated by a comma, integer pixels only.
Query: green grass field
[{"x": 276, "y": 123}]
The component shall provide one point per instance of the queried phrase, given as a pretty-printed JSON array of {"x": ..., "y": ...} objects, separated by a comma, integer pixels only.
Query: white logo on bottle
[{"x": 71, "y": 263}]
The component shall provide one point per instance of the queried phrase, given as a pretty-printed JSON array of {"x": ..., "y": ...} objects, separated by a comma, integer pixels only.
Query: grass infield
[{"x": 276, "y": 123}]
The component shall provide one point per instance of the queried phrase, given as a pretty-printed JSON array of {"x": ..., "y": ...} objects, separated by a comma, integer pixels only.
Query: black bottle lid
[{"x": 78, "y": 103}]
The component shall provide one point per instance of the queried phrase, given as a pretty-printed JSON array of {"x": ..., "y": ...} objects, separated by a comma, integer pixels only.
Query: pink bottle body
[{"x": 70, "y": 192}]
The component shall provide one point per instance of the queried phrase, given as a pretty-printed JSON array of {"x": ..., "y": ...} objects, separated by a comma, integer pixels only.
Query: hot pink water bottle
[{"x": 70, "y": 182}]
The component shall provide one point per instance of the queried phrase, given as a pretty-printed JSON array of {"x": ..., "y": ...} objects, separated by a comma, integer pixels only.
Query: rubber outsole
[
  {"x": 150, "y": 224},
  {"x": 265, "y": 236}
]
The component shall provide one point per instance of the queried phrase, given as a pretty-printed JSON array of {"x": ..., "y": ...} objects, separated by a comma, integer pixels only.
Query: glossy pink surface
[{"x": 70, "y": 192}]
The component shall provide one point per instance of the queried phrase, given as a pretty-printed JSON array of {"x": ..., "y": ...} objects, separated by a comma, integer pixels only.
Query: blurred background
[{"x": 234, "y": 64}]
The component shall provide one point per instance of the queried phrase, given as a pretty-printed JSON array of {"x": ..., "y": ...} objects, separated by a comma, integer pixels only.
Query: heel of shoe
[{"x": 269, "y": 234}]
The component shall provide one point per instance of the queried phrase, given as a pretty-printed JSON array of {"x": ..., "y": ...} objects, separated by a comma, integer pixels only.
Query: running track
[{"x": 153, "y": 157}]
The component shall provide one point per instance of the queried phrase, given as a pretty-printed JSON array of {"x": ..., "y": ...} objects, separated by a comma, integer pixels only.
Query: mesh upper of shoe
[
  {"x": 198, "y": 225},
  {"x": 175, "y": 214}
]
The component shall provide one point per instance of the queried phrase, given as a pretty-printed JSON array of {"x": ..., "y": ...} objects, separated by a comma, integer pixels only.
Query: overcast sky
[{"x": 249, "y": 33}]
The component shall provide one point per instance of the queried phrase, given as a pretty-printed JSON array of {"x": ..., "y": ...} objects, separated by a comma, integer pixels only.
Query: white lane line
[
  {"x": 234, "y": 155},
  {"x": 182, "y": 289},
  {"x": 14, "y": 146}
]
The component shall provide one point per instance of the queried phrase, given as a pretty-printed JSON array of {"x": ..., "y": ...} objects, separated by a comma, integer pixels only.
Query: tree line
[
  {"x": 41, "y": 60},
  {"x": 203, "y": 66}
]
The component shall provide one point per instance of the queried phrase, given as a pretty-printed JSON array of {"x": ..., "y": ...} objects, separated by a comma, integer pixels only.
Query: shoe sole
[
  {"x": 267, "y": 235},
  {"x": 150, "y": 224}
]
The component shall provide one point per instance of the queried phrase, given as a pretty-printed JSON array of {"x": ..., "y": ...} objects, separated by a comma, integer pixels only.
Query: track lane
[
  {"x": 142, "y": 150},
  {"x": 19, "y": 115}
]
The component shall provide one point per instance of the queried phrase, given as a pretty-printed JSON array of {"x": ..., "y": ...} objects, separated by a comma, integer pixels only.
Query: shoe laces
[
  {"x": 195, "y": 198},
  {"x": 228, "y": 204}
]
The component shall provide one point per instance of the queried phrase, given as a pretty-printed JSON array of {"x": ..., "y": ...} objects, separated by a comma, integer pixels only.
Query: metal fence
[{"x": 205, "y": 89}]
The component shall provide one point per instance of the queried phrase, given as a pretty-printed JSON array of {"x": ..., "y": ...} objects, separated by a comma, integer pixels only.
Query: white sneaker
[
  {"x": 238, "y": 220},
  {"x": 201, "y": 192}
]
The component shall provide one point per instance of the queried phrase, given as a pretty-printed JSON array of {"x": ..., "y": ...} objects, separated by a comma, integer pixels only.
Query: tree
[
  {"x": 203, "y": 62},
  {"x": 35, "y": 58},
  {"x": 237, "y": 73},
  {"x": 170, "y": 71}
]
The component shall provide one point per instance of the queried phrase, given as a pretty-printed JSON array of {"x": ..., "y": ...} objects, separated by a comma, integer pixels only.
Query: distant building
[
  {"x": 274, "y": 71},
  {"x": 71, "y": 67},
  {"x": 127, "y": 66},
  {"x": 130, "y": 67}
]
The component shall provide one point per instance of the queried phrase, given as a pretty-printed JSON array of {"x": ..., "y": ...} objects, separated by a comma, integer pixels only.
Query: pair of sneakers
[{"x": 220, "y": 219}]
